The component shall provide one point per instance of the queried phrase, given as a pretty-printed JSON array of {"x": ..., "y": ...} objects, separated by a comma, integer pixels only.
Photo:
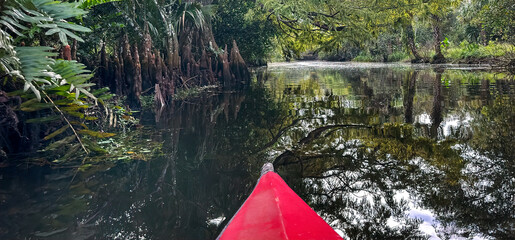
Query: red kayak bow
[{"x": 274, "y": 212}]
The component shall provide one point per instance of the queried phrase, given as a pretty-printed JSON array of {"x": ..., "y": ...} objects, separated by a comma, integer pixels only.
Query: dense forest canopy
[{"x": 383, "y": 27}]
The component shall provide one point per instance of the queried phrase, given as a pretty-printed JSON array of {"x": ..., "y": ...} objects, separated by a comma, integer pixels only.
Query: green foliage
[
  {"x": 85, "y": 4},
  {"x": 467, "y": 50},
  {"x": 494, "y": 131},
  {"x": 365, "y": 57},
  {"x": 253, "y": 35},
  {"x": 445, "y": 43},
  {"x": 165, "y": 20},
  {"x": 8, "y": 62},
  {"x": 335, "y": 27},
  {"x": 60, "y": 90},
  {"x": 33, "y": 64},
  {"x": 396, "y": 56},
  {"x": 192, "y": 92},
  {"x": 310, "y": 25},
  {"x": 35, "y": 68},
  {"x": 44, "y": 14}
]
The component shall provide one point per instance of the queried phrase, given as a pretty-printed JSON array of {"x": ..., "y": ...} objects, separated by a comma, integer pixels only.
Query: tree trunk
[
  {"x": 437, "y": 35},
  {"x": 146, "y": 59},
  {"x": 174, "y": 60},
  {"x": 485, "y": 92},
  {"x": 74, "y": 49},
  {"x": 409, "y": 92},
  {"x": 237, "y": 64},
  {"x": 119, "y": 80},
  {"x": 136, "y": 84},
  {"x": 66, "y": 52},
  {"x": 410, "y": 38},
  {"x": 102, "y": 71},
  {"x": 128, "y": 67},
  {"x": 482, "y": 35},
  {"x": 226, "y": 70},
  {"x": 436, "y": 113}
]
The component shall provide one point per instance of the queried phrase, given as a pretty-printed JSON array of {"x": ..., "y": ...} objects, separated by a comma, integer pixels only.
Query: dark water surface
[{"x": 380, "y": 151}]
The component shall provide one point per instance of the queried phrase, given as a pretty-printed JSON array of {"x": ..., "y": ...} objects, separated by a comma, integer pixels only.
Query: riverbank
[
  {"x": 372, "y": 65},
  {"x": 494, "y": 54}
]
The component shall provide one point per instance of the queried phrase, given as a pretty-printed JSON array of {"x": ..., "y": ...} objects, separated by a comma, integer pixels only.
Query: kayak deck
[{"x": 273, "y": 211}]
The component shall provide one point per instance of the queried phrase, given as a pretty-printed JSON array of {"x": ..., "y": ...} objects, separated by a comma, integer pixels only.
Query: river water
[{"x": 380, "y": 151}]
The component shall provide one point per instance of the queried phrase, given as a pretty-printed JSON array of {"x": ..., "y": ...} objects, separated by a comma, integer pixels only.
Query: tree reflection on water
[{"x": 363, "y": 147}]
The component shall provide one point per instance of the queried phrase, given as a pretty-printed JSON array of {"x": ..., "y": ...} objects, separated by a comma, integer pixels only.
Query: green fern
[
  {"x": 35, "y": 67},
  {"x": 33, "y": 64},
  {"x": 76, "y": 76},
  {"x": 9, "y": 63},
  {"x": 59, "y": 89},
  {"x": 46, "y": 14}
]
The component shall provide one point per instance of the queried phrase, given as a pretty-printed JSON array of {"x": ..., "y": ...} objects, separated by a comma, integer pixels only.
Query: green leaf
[
  {"x": 63, "y": 88},
  {"x": 74, "y": 107},
  {"x": 53, "y": 31},
  {"x": 12, "y": 22},
  {"x": 100, "y": 91},
  {"x": 94, "y": 146},
  {"x": 85, "y": 167},
  {"x": 62, "y": 38},
  {"x": 87, "y": 94},
  {"x": 34, "y": 105},
  {"x": 58, "y": 144},
  {"x": 73, "y": 27},
  {"x": 44, "y": 119},
  {"x": 59, "y": 131},
  {"x": 106, "y": 96},
  {"x": 72, "y": 35},
  {"x": 51, "y": 25},
  {"x": 96, "y": 134},
  {"x": 79, "y": 124},
  {"x": 75, "y": 114},
  {"x": 11, "y": 28}
]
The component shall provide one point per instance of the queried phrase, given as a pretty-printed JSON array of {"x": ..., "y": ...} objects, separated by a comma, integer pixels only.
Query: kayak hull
[{"x": 274, "y": 212}]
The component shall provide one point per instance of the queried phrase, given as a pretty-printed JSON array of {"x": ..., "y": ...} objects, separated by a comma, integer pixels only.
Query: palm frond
[
  {"x": 76, "y": 76},
  {"x": 35, "y": 65},
  {"x": 46, "y": 14},
  {"x": 8, "y": 60}
]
